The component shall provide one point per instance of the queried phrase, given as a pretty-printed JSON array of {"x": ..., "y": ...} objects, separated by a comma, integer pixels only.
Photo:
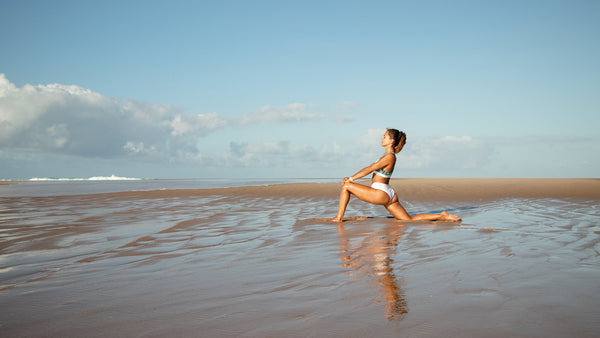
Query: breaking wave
[{"x": 95, "y": 178}]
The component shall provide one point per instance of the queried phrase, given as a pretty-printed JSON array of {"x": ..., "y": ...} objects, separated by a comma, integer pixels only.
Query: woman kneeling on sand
[{"x": 380, "y": 192}]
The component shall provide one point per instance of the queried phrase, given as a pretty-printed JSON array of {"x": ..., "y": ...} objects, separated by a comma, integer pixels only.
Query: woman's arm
[{"x": 382, "y": 162}]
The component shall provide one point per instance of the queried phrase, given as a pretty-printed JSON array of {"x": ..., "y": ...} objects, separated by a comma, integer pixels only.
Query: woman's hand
[{"x": 345, "y": 180}]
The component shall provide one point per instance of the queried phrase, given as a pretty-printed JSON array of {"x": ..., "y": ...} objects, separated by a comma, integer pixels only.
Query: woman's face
[{"x": 386, "y": 139}]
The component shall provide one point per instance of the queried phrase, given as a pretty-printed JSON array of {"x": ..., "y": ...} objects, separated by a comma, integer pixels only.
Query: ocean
[{"x": 107, "y": 184}]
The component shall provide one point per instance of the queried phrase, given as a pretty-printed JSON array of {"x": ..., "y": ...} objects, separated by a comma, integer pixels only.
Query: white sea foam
[{"x": 113, "y": 177}]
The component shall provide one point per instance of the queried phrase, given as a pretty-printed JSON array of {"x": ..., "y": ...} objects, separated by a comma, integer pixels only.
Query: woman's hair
[{"x": 399, "y": 138}]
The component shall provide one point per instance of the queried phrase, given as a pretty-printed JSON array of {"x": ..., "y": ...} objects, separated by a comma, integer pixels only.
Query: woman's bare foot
[
  {"x": 335, "y": 219},
  {"x": 449, "y": 217}
]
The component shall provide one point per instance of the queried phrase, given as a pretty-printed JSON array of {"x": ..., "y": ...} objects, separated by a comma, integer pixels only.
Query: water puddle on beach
[{"x": 224, "y": 265}]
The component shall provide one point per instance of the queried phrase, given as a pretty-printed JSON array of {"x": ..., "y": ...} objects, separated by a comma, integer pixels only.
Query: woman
[{"x": 380, "y": 192}]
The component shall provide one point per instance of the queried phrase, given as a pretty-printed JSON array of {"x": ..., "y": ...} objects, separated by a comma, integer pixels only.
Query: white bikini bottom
[{"x": 385, "y": 188}]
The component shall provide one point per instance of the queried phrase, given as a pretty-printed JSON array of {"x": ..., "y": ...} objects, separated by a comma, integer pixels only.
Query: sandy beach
[{"x": 262, "y": 261}]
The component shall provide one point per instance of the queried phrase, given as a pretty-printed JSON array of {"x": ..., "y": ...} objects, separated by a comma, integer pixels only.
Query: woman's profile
[{"x": 380, "y": 192}]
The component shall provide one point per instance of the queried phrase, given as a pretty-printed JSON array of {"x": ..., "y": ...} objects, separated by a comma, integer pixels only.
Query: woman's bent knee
[{"x": 398, "y": 211}]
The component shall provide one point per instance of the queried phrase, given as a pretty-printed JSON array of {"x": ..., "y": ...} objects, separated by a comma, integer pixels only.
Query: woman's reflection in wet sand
[{"x": 372, "y": 256}]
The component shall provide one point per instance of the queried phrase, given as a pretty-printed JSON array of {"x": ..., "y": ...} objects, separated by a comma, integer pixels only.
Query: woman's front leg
[
  {"x": 344, "y": 199},
  {"x": 368, "y": 194}
]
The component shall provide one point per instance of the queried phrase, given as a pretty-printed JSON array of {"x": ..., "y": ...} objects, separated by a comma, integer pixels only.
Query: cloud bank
[
  {"x": 58, "y": 119},
  {"x": 71, "y": 120},
  {"x": 422, "y": 155},
  {"x": 450, "y": 152}
]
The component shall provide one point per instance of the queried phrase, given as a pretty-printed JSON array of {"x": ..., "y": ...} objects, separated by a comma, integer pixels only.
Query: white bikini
[
  {"x": 385, "y": 188},
  {"x": 382, "y": 186}
]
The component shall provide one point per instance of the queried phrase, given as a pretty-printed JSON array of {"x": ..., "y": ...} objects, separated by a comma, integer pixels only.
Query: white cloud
[
  {"x": 420, "y": 153},
  {"x": 257, "y": 154},
  {"x": 294, "y": 112},
  {"x": 140, "y": 148},
  {"x": 72, "y": 120},
  {"x": 372, "y": 138},
  {"x": 451, "y": 152},
  {"x": 201, "y": 124},
  {"x": 287, "y": 158},
  {"x": 344, "y": 107},
  {"x": 348, "y": 105}
]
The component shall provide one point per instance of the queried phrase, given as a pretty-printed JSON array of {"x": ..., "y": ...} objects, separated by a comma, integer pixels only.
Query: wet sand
[{"x": 262, "y": 261}]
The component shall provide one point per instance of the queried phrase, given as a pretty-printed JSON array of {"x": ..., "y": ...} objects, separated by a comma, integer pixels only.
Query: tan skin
[
  {"x": 374, "y": 253},
  {"x": 374, "y": 196}
]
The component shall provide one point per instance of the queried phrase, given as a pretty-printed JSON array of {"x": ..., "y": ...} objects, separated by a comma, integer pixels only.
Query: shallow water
[
  {"x": 106, "y": 265},
  {"x": 61, "y": 187}
]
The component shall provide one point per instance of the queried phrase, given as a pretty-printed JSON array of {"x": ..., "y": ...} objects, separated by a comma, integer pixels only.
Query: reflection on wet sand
[
  {"x": 371, "y": 257},
  {"x": 254, "y": 262}
]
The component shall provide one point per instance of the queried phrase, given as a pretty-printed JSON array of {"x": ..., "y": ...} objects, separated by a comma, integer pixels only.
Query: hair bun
[{"x": 399, "y": 139}]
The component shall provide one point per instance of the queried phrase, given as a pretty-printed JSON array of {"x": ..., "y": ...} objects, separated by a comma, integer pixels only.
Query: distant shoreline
[{"x": 409, "y": 189}]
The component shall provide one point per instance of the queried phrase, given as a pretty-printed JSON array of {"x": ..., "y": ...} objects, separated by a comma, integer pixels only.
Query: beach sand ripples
[{"x": 269, "y": 264}]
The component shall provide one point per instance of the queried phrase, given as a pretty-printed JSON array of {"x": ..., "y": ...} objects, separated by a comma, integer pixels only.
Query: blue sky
[{"x": 171, "y": 89}]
